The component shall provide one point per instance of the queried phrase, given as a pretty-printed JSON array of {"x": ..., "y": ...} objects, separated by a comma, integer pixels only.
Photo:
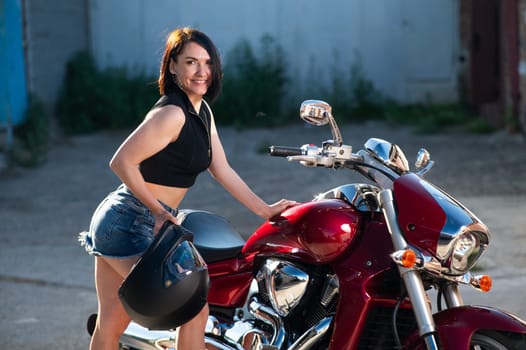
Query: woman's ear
[{"x": 171, "y": 66}]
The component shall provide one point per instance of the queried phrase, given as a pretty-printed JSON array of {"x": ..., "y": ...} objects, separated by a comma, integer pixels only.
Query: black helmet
[{"x": 168, "y": 285}]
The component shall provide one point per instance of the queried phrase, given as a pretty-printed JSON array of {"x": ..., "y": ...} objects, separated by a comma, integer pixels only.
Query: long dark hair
[{"x": 175, "y": 42}]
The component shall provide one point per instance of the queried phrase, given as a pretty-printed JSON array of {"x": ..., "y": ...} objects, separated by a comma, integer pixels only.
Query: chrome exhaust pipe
[
  {"x": 270, "y": 317},
  {"x": 138, "y": 337}
]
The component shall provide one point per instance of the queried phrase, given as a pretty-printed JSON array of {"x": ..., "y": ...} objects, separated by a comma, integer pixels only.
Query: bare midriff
[{"x": 171, "y": 196}]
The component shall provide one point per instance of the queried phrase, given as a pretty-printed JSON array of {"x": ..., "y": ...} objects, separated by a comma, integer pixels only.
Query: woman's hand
[
  {"x": 280, "y": 206},
  {"x": 161, "y": 218}
]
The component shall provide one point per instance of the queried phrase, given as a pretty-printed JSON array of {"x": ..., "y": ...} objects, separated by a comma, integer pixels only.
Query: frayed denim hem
[{"x": 85, "y": 241}]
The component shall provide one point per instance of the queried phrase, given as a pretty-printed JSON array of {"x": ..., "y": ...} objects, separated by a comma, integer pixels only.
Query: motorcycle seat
[{"x": 214, "y": 236}]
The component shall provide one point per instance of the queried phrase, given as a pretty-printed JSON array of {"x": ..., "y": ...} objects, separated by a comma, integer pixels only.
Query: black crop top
[{"x": 179, "y": 163}]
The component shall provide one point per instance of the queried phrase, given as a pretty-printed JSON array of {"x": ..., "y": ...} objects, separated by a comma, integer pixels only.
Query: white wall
[{"x": 407, "y": 48}]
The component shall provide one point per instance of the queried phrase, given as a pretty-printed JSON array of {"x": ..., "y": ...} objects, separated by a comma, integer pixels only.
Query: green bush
[
  {"x": 352, "y": 96},
  {"x": 254, "y": 95},
  {"x": 32, "y": 135},
  {"x": 253, "y": 87},
  {"x": 91, "y": 99},
  {"x": 432, "y": 118}
]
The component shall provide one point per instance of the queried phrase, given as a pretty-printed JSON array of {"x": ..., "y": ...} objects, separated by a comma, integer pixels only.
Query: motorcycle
[{"x": 354, "y": 268}]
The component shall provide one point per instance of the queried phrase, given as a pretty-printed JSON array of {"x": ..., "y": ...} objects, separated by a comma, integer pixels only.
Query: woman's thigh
[{"x": 109, "y": 274}]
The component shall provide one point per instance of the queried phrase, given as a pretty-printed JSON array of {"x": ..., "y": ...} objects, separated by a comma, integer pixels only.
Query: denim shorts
[{"x": 121, "y": 226}]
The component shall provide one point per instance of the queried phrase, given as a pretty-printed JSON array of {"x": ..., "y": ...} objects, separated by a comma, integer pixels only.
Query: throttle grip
[{"x": 284, "y": 151}]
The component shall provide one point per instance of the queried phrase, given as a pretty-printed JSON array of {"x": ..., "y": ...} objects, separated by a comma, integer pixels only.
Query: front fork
[{"x": 413, "y": 282}]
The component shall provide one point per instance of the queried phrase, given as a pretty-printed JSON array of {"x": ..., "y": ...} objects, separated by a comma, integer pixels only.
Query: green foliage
[
  {"x": 254, "y": 95},
  {"x": 479, "y": 126},
  {"x": 32, "y": 135},
  {"x": 354, "y": 97},
  {"x": 253, "y": 86},
  {"x": 92, "y": 99},
  {"x": 429, "y": 119}
]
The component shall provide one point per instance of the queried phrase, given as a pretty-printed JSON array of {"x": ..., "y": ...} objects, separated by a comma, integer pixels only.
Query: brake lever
[
  {"x": 309, "y": 161},
  {"x": 312, "y": 161}
]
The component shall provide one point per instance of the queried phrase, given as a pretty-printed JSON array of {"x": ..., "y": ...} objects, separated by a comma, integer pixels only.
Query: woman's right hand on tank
[{"x": 161, "y": 218}]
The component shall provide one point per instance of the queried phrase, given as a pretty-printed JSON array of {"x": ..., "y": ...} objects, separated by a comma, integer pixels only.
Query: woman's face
[{"x": 193, "y": 70}]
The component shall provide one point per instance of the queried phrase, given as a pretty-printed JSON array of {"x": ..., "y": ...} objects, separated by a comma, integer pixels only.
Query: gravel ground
[{"x": 46, "y": 282}]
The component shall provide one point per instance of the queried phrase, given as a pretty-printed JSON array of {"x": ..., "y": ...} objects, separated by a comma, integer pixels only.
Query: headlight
[
  {"x": 284, "y": 283},
  {"x": 464, "y": 251}
]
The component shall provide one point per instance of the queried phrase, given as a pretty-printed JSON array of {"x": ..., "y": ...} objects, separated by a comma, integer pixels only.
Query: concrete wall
[
  {"x": 54, "y": 30},
  {"x": 407, "y": 48}
]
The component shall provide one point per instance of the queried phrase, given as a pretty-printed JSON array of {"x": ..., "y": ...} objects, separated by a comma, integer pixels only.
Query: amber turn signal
[
  {"x": 408, "y": 258},
  {"x": 485, "y": 283}
]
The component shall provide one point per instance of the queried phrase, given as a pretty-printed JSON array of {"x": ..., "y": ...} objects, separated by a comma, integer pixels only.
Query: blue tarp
[{"x": 13, "y": 89}]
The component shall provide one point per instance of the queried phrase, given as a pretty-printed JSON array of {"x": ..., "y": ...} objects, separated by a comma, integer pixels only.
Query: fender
[{"x": 456, "y": 326}]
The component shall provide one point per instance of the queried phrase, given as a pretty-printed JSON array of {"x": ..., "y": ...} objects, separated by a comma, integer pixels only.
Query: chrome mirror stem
[
  {"x": 336, "y": 135},
  {"x": 317, "y": 112}
]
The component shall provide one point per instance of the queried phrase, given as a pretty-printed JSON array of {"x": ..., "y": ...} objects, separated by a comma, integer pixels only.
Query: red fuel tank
[{"x": 316, "y": 232}]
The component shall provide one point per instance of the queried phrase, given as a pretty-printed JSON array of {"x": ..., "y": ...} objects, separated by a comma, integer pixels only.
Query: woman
[{"x": 157, "y": 164}]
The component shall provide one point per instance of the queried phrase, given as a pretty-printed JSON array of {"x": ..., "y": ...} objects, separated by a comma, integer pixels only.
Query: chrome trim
[
  {"x": 244, "y": 332},
  {"x": 317, "y": 112},
  {"x": 423, "y": 162},
  {"x": 219, "y": 344},
  {"x": 459, "y": 224},
  {"x": 270, "y": 317},
  {"x": 376, "y": 170},
  {"x": 361, "y": 196},
  {"x": 474, "y": 281},
  {"x": 422, "y": 158},
  {"x": 285, "y": 284},
  {"x": 458, "y": 220},
  {"x": 411, "y": 277},
  {"x": 212, "y": 326},
  {"x": 388, "y": 153},
  {"x": 140, "y": 337},
  {"x": 312, "y": 336},
  {"x": 331, "y": 289},
  {"x": 430, "y": 341},
  {"x": 452, "y": 296}
]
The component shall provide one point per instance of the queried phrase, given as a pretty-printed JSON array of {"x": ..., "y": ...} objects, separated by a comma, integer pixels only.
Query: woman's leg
[
  {"x": 112, "y": 319},
  {"x": 191, "y": 335}
]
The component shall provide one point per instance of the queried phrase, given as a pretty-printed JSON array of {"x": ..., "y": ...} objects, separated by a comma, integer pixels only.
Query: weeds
[
  {"x": 253, "y": 88},
  {"x": 32, "y": 136},
  {"x": 93, "y": 99},
  {"x": 254, "y": 95}
]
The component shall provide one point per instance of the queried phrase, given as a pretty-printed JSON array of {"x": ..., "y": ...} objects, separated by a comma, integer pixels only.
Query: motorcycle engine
[
  {"x": 285, "y": 285},
  {"x": 282, "y": 284},
  {"x": 286, "y": 301}
]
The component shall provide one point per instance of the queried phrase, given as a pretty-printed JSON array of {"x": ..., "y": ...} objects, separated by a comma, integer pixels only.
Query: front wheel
[{"x": 497, "y": 341}]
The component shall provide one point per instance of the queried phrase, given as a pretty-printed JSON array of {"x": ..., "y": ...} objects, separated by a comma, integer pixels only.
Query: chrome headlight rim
[{"x": 464, "y": 250}]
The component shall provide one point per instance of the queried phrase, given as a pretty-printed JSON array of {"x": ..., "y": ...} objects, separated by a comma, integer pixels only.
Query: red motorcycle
[{"x": 352, "y": 269}]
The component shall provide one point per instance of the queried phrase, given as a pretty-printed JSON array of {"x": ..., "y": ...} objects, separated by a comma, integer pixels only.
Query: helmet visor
[{"x": 184, "y": 260}]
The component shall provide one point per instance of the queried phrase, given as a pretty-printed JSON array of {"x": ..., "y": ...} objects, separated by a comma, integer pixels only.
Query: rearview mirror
[
  {"x": 315, "y": 112},
  {"x": 423, "y": 162}
]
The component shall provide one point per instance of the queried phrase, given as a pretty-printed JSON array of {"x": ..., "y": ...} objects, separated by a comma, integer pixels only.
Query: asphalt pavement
[{"x": 46, "y": 279}]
